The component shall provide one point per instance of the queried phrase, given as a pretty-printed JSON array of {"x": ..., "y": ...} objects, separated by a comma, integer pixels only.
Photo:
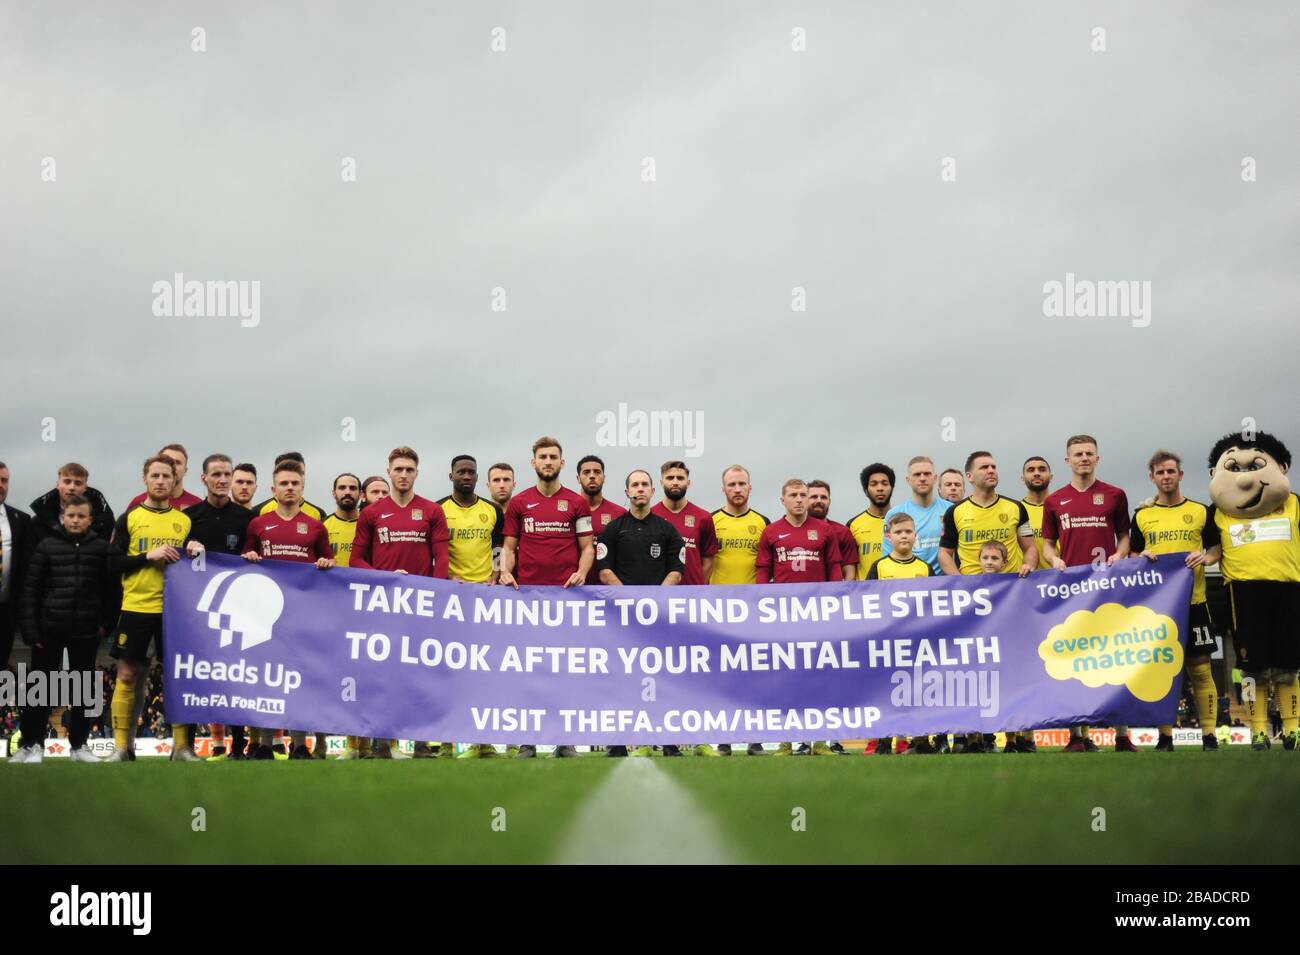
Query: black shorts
[
  {"x": 1200, "y": 633},
  {"x": 1265, "y": 624},
  {"x": 134, "y": 635}
]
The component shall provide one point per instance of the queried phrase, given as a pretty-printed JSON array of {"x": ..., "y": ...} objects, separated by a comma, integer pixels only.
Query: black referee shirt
[
  {"x": 219, "y": 529},
  {"x": 640, "y": 551}
]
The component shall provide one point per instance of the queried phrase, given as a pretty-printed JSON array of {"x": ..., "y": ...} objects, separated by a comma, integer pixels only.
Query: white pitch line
[{"x": 640, "y": 816}]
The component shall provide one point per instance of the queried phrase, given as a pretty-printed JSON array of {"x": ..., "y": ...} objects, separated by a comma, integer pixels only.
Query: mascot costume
[{"x": 1258, "y": 519}]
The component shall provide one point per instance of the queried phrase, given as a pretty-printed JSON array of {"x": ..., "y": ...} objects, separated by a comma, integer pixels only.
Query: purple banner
[{"x": 288, "y": 646}]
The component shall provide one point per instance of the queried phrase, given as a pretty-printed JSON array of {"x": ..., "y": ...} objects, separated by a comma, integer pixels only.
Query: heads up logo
[{"x": 249, "y": 605}]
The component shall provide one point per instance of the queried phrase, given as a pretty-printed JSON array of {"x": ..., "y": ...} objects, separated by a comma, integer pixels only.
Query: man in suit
[{"x": 15, "y": 543}]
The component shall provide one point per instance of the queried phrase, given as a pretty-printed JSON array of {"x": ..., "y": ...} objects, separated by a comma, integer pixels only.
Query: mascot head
[{"x": 1248, "y": 478}]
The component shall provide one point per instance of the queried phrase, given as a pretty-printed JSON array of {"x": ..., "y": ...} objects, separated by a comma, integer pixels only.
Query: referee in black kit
[{"x": 640, "y": 548}]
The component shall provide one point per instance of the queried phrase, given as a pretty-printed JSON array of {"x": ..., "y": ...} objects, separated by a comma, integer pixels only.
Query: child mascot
[{"x": 1258, "y": 519}]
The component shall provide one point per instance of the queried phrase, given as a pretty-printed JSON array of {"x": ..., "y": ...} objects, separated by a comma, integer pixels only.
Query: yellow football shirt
[
  {"x": 869, "y": 532},
  {"x": 308, "y": 508},
  {"x": 967, "y": 526},
  {"x": 738, "y": 536},
  {"x": 1262, "y": 548},
  {"x": 137, "y": 532},
  {"x": 475, "y": 531},
  {"x": 1035, "y": 512},
  {"x": 891, "y": 568},
  {"x": 1175, "y": 529},
  {"x": 341, "y": 533}
]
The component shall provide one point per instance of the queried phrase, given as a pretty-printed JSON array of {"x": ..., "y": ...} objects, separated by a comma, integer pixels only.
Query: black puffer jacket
[
  {"x": 47, "y": 508},
  {"x": 67, "y": 590}
]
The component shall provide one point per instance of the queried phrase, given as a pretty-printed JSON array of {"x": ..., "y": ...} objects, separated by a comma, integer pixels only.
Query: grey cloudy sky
[{"x": 522, "y": 169}]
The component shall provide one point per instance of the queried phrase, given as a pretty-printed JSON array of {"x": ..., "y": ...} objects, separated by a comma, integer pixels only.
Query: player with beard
[
  {"x": 695, "y": 525},
  {"x": 342, "y": 528},
  {"x": 218, "y": 524},
  {"x": 181, "y": 498},
  {"x": 591, "y": 479},
  {"x": 547, "y": 539},
  {"x": 406, "y": 534},
  {"x": 373, "y": 488},
  {"x": 145, "y": 540},
  {"x": 819, "y": 506},
  {"x": 738, "y": 530},
  {"x": 868, "y": 530},
  {"x": 1036, "y": 474},
  {"x": 797, "y": 549}
]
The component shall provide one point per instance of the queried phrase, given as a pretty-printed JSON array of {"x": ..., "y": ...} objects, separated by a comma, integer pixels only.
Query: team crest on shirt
[
  {"x": 231, "y": 542},
  {"x": 482, "y": 518},
  {"x": 417, "y": 513},
  {"x": 752, "y": 528},
  {"x": 604, "y": 518},
  {"x": 690, "y": 520},
  {"x": 812, "y": 535},
  {"x": 176, "y": 526},
  {"x": 1187, "y": 518},
  {"x": 302, "y": 527},
  {"x": 1003, "y": 518},
  {"x": 1099, "y": 499},
  {"x": 655, "y": 550},
  {"x": 561, "y": 505}
]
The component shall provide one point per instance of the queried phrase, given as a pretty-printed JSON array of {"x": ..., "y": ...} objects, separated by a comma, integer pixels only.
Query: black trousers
[
  {"x": 49, "y": 658},
  {"x": 6, "y": 631}
]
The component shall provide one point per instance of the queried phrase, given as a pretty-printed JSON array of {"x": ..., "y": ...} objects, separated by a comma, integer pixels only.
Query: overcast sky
[{"x": 523, "y": 170}]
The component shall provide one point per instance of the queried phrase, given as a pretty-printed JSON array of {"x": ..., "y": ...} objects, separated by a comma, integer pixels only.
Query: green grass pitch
[{"x": 1181, "y": 807}]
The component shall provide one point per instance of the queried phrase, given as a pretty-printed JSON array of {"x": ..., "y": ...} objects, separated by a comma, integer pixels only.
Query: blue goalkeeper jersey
[{"x": 929, "y": 528}]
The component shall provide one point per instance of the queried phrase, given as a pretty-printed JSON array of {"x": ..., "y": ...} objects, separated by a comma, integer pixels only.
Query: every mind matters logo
[
  {"x": 1117, "y": 646},
  {"x": 247, "y": 605}
]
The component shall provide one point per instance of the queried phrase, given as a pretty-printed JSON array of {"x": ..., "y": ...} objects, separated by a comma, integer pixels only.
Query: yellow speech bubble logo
[{"x": 1117, "y": 646}]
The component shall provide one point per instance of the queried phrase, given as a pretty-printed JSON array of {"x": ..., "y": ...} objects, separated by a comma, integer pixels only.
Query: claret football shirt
[
  {"x": 806, "y": 554},
  {"x": 301, "y": 539},
  {"x": 848, "y": 546},
  {"x": 695, "y": 524},
  {"x": 547, "y": 529},
  {"x": 412, "y": 538},
  {"x": 1085, "y": 524}
]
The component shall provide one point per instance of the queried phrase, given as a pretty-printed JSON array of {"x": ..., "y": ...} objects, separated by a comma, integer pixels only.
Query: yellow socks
[
  {"x": 1288, "y": 704},
  {"x": 181, "y": 736},
  {"x": 1206, "y": 696},
  {"x": 1257, "y": 706},
  {"x": 123, "y": 711}
]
